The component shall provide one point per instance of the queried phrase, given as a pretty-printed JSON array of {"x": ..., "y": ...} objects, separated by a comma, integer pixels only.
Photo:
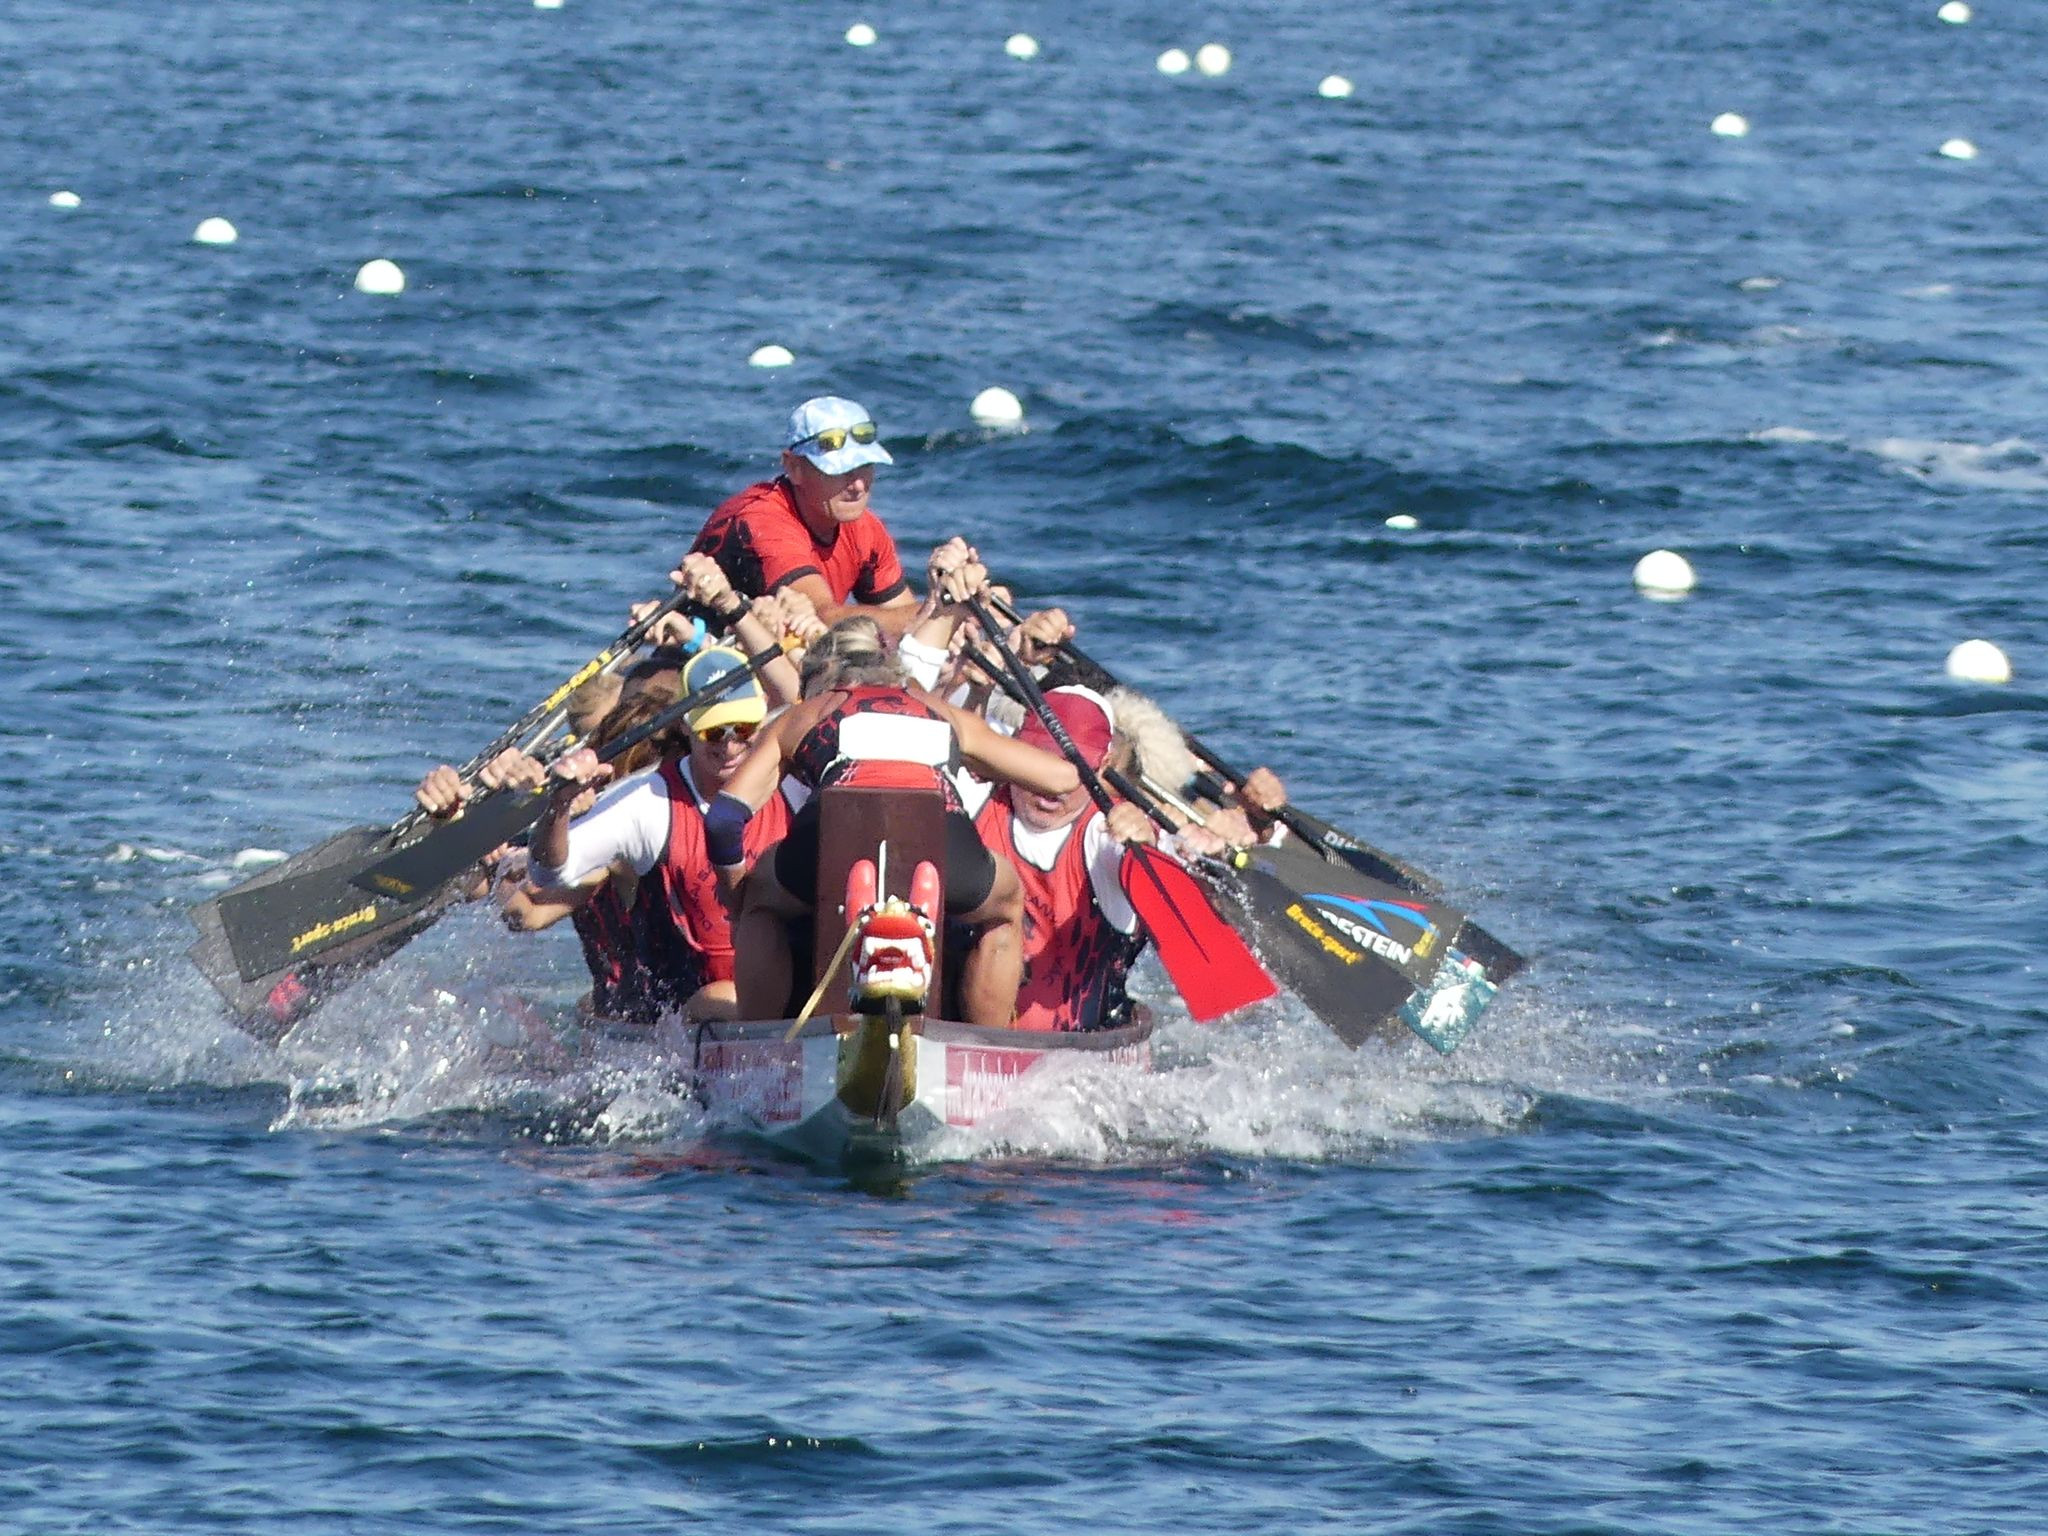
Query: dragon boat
[{"x": 869, "y": 1070}]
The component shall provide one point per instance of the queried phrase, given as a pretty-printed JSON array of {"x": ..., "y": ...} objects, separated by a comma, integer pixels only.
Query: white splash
[{"x": 2011, "y": 464}]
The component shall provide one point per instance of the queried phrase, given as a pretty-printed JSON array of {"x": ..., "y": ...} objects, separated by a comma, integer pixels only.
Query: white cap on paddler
[
  {"x": 743, "y": 704},
  {"x": 836, "y": 435}
]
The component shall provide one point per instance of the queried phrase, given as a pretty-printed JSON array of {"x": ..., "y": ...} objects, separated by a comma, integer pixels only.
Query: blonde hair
[
  {"x": 1162, "y": 753},
  {"x": 850, "y": 653}
]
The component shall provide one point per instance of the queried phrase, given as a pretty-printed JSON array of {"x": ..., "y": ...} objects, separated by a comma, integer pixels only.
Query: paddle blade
[
  {"x": 269, "y": 1006},
  {"x": 286, "y": 938},
  {"x": 1211, "y": 967},
  {"x": 1363, "y": 956},
  {"x": 1500, "y": 961},
  {"x": 422, "y": 867}
]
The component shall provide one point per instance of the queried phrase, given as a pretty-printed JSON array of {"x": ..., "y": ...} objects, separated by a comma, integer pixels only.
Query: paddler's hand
[
  {"x": 441, "y": 793},
  {"x": 1232, "y": 825},
  {"x": 1040, "y": 635},
  {"x": 799, "y": 615},
  {"x": 1194, "y": 838},
  {"x": 949, "y": 557},
  {"x": 1127, "y": 824},
  {"x": 1263, "y": 791},
  {"x": 574, "y": 772},
  {"x": 669, "y": 629},
  {"x": 512, "y": 769},
  {"x": 704, "y": 583}
]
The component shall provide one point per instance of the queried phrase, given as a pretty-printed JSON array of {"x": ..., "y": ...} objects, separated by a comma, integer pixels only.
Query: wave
[{"x": 2009, "y": 464}]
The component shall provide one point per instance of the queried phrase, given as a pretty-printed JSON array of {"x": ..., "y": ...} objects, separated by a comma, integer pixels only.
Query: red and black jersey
[
  {"x": 1075, "y": 960},
  {"x": 759, "y": 540},
  {"x": 818, "y": 760}
]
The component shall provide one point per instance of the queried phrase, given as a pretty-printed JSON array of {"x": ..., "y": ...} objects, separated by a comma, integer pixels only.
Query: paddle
[
  {"x": 1209, "y": 965},
  {"x": 1361, "y": 954},
  {"x": 279, "y": 942},
  {"x": 1332, "y": 843}
]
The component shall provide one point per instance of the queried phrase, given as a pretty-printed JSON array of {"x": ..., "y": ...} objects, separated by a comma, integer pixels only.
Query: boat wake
[{"x": 471, "y": 1032}]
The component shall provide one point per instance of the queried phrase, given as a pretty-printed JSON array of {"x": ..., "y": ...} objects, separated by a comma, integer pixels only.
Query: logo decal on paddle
[{"x": 1400, "y": 931}]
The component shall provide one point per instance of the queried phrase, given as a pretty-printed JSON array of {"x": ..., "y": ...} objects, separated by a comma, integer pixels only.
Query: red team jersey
[
  {"x": 1075, "y": 960},
  {"x": 649, "y": 958},
  {"x": 761, "y": 543}
]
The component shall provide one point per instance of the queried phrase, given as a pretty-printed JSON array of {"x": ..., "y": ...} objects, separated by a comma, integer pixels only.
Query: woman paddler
[
  {"x": 666, "y": 946},
  {"x": 861, "y": 722}
]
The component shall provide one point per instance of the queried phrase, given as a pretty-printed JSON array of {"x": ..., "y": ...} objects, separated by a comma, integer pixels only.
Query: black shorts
[{"x": 970, "y": 872}]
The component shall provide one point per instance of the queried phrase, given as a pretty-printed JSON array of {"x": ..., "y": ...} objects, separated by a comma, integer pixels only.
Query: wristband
[{"x": 725, "y": 830}]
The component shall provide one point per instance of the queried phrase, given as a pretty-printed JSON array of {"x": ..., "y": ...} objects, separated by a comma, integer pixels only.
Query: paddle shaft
[
  {"x": 1033, "y": 699},
  {"x": 1331, "y": 842},
  {"x": 456, "y": 844},
  {"x": 1208, "y": 961}
]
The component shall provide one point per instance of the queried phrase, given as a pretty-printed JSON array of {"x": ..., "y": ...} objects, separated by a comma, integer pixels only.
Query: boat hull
[{"x": 850, "y": 1089}]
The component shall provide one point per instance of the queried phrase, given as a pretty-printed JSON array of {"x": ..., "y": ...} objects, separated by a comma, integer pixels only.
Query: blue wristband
[{"x": 725, "y": 830}]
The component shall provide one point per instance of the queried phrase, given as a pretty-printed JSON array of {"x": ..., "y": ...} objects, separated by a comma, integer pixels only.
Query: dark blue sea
[{"x": 1731, "y": 1215}]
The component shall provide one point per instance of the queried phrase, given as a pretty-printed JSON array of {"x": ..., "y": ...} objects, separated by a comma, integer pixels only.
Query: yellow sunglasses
[{"x": 832, "y": 439}]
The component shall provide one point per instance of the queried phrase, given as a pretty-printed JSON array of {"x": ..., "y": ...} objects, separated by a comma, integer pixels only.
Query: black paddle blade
[
  {"x": 1364, "y": 956},
  {"x": 423, "y": 867},
  {"x": 269, "y": 1006},
  {"x": 278, "y": 943},
  {"x": 1500, "y": 961},
  {"x": 275, "y": 928},
  {"x": 1210, "y": 966}
]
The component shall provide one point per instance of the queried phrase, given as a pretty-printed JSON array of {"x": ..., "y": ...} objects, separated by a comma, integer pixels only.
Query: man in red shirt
[{"x": 810, "y": 528}]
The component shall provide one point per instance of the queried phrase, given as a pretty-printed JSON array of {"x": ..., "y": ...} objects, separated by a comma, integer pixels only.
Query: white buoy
[
  {"x": 1664, "y": 573},
  {"x": 996, "y": 407},
  {"x": 1978, "y": 661},
  {"x": 1334, "y": 88},
  {"x": 861, "y": 35},
  {"x": 65, "y": 199},
  {"x": 1760, "y": 284},
  {"x": 1730, "y": 125},
  {"x": 1955, "y": 13},
  {"x": 1174, "y": 62},
  {"x": 547, "y": 5},
  {"x": 380, "y": 276},
  {"x": 1212, "y": 59},
  {"x": 770, "y": 356},
  {"x": 1958, "y": 149},
  {"x": 1405, "y": 521},
  {"x": 215, "y": 232},
  {"x": 1021, "y": 45}
]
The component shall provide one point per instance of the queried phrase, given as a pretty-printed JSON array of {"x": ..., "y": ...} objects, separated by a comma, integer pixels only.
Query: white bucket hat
[{"x": 831, "y": 416}]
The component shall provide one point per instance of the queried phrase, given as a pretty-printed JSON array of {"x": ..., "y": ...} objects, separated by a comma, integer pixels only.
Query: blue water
[{"x": 1733, "y": 1212}]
